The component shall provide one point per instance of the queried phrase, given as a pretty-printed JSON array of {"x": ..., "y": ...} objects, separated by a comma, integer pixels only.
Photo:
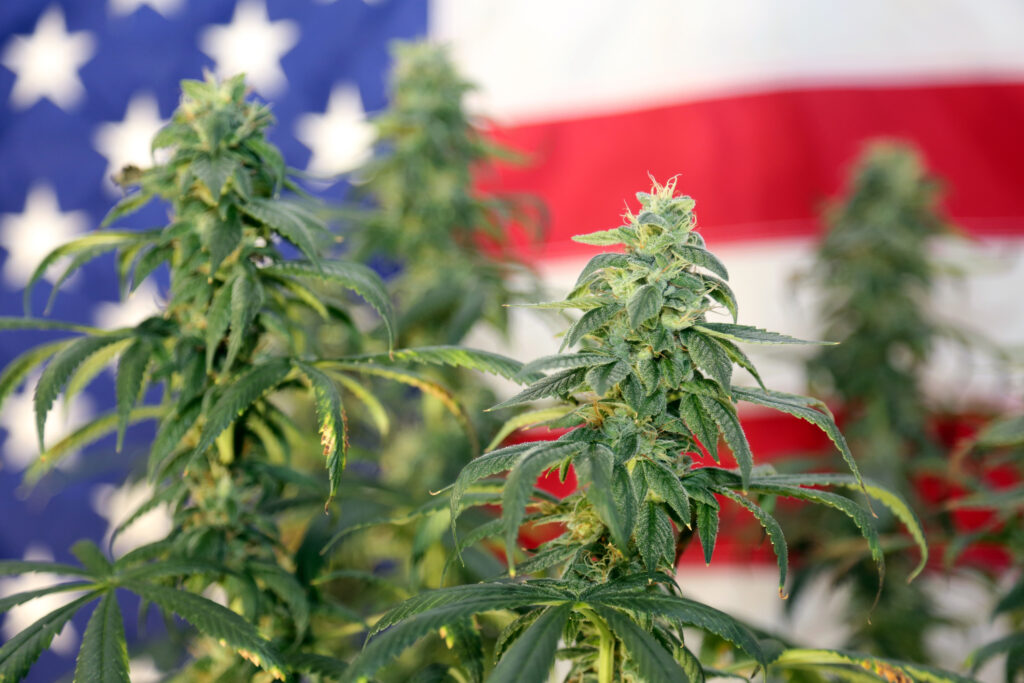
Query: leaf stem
[{"x": 606, "y": 648}]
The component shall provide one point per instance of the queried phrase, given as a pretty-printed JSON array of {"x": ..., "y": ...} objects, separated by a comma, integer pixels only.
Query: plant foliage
[
  {"x": 875, "y": 273},
  {"x": 649, "y": 393},
  {"x": 244, "y": 250}
]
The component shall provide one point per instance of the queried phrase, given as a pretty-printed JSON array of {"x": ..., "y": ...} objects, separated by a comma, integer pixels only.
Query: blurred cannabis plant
[
  {"x": 447, "y": 243},
  {"x": 649, "y": 392},
  {"x": 875, "y": 274},
  {"x": 999, "y": 446}
]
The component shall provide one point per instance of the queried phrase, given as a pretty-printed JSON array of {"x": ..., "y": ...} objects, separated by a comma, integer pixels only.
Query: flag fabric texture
[{"x": 760, "y": 108}]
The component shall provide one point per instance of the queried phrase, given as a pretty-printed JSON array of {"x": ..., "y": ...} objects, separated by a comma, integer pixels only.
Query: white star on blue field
[{"x": 84, "y": 84}]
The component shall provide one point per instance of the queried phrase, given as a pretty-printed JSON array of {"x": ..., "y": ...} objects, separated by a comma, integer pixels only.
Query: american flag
[{"x": 761, "y": 107}]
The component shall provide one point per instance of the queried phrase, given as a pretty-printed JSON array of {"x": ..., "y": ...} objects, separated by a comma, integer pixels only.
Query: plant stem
[{"x": 606, "y": 649}]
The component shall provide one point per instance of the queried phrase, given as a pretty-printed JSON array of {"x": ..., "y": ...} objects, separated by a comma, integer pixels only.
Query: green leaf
[
  {"x": 471, "y": 599},
  {"x": 855, "y": 512},
  {"x": 547, "y": 558},
  {"x": 1005, "y": 432},
  {"x": 703, "y": 258},
  {"x": 707, "y": 528},
  {"x": 453, "y": 356},
  {"x": 378, "y": 413},
  {"x": 771, "y": 527},
  {"x": 354, "y": 276},
  {"x": 725, "y": 416},
  {"x": 246, "y": 301},
  {"x": 20, "y": 652},
  {"x": 9, "y": 601},
  {"x": 131, "y": 373},
  {"x": 103, "y": 657},
  {"x": 12, "y": 567},
  {"x": 324, "y": 665},
  {"x": 126, "y": 206},
  {"x": 509, "y": 634},
  {"x": 486, "y": 465},
  {"x": 708, "y": 356},
  {"x": 89, "y": 246},
  {"x": 610, "y": 492},
  {"x": 564, "y": 361},
  {"x": 530, "y": 418},
  {"x": 600, "y": 262},
  {"x": 218, "y": 318},
  {"x": 19, "y": 323},
  {"x": 1006, "y": 644},
  {"x": 665, "y": 485},
  {"x": 429, "y": 611},
  {"x": 287, "y": 220},
  {"x": 723, "y": 294},
  {"x": 91, "y": 557},
  {"x": 149, "y": 262},
  {"x": 519, "y": 488},
  {"x": 256, "y": 383},
  {"x": 805, "y": 408},
  {"x": 221, "y": 238},
  {"x": 92, "y": 367},
  {"x": 644, "y": 304},
  {"x": 692, "y": 665},
  {"x": 553, "y": 385},
  {"x": 602, "y": 238},
  {"x": 212, "y": 620},
  {"x": 169, "y": 434},
  {"x": 653, "y": 662},
  {"x": 288, "y": 589},
  {"x": 684, "y": 611},
  {"x": 58, "y": 372},
  {"x": 697, "y": 420},
  {"x": 882, "y": 669},
  {"x": 412, "y": 379},
  {"x": 603, "y": 378},
  {"x": 19, "y": 368},
  {"x": 588, "y": 322},
  {"x": 466, "y": 644},
  {"x": 213, "y": 170},
  {"x": 737, "y": 356},
  {"x": 891, "y": 500},
  {"x": 1014, "y": 599},
  {"x": 654, "y": 538},
  {"x": 532, "y": 654},
  {"x": 751, "y": 335},
  {"x": 333, "y": 423}
]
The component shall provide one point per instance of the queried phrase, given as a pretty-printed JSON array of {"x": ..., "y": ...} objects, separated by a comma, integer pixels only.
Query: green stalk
[{"x": 606, "y": 648}]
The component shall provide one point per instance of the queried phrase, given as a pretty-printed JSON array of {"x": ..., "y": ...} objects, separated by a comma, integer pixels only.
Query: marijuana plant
[
  {"x": 425, "y": 217},
  {"x": 649, "y": 392},
  {"x": 427, "y": 210},
  {"x": 875, "y": 273},
  {"x": 1000, "y": 445},
  {"x": 225, "y": 351}
]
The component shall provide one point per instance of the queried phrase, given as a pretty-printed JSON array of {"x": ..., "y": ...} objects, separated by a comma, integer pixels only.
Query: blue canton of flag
[{"x": 84, "y": 85}]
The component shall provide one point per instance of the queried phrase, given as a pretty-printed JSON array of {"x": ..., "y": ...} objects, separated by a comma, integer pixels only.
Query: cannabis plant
[
  {"x": 449, "y": 240},
  {"x": 999, "y": 446},
  {"x": 244, "y": 253},
  {"x": 425, "y": 220},
  {"x": 875, "y": 274},
  {"x": 648, "y": 394}
]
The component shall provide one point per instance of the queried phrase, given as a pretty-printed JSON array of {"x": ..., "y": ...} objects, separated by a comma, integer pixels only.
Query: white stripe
[
  {"x": 763, "y": 275},
  {"x": 536, "y": 59}
]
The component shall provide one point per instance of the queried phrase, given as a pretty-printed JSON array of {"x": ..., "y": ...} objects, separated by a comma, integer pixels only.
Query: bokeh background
[{"x": 760, "y": 108}]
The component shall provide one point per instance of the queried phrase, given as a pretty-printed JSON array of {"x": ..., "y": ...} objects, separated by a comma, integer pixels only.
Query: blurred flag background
[{"x": 759, "y": 107}]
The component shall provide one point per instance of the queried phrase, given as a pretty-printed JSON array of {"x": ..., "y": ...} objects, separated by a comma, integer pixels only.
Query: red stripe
[{"x": 760, "y": 166}]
